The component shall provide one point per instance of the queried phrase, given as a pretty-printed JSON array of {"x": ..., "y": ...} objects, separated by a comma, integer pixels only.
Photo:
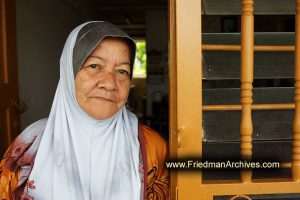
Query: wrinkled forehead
[
  {"x": 116, "y": 44},
  {"x": 91, "y": 35}
]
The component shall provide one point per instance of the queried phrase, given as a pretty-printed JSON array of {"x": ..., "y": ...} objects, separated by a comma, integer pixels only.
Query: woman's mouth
[{"x": 104, "y": 99}]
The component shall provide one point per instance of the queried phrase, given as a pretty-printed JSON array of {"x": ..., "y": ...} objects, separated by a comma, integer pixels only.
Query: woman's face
[{"x": 103, "y": 82}]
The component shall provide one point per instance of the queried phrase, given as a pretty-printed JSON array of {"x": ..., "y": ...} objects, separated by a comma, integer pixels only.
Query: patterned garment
[
  {"x": 157, "y": 178},
  {"x": 18, "y": 161}
]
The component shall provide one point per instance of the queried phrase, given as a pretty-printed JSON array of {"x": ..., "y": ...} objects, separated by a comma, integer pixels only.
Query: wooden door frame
[
  {"x": 185, "y": 85},
  {"x": 8, "y": 59}
]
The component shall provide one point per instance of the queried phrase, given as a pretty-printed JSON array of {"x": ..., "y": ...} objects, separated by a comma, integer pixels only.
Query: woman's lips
[{"x": 104, "y": 99}]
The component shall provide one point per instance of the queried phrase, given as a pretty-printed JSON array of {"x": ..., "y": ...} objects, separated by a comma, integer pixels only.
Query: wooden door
[
  {"x": 9, "y": 117},
  {"x": 185, "y": 94}
]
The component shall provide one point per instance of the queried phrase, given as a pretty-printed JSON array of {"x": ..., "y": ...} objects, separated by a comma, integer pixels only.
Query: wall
[{"x": 42, "y": 28}]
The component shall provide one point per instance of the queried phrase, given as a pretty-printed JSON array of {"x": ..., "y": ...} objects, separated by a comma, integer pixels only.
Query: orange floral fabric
[
  {"x": 157, "y": 179},
  {"x": 8, "y": 180}
]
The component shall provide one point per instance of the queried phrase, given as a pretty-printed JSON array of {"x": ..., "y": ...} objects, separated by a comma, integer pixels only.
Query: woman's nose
[{"x": 107, "y": 81}]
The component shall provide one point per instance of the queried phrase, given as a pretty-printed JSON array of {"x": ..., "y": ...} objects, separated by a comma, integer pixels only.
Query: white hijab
[{"x": 80, "y": 157}]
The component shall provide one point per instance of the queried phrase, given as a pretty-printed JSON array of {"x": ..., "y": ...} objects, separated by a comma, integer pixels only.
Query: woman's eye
[
  {"x": 123, "y": 72},
  {"x": 93, "y": 66}
]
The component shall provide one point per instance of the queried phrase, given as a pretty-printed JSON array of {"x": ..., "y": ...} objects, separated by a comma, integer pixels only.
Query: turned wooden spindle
[
  {"x": 247, "y": 56},
  {"x": 296, "y": 125}
]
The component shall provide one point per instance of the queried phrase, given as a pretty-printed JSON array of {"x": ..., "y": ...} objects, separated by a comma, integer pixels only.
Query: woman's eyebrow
[
  {"x": 104, "y": 60},
  {"x": 123, "y": 63},
  {"x": 98, "y": 57}
]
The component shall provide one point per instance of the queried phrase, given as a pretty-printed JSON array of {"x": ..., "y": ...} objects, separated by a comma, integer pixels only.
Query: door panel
[
  {"x": 9, "y": 117},
  {"x": 3, "y": 137}
]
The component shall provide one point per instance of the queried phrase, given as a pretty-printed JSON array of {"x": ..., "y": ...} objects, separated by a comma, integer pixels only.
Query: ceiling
[
  {"x": 130, "y": 14},
  {"x": 127, "y": 14}
]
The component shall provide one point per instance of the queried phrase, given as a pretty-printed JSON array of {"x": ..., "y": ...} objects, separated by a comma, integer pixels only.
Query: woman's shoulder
[
  {"x": 24, "y": 146},
  {"x": 157, "y": 183},
  {"x": 154, "y": 138},
  {"x": 156, "y": 145},
  {"x": 34, "y": 129},
  {"x": 18, "y": 160}
]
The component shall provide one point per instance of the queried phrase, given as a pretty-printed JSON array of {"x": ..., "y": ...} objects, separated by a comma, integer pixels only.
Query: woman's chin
[{"x": 102, "y": 116}]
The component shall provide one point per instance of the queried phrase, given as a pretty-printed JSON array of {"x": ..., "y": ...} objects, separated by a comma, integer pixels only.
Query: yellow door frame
[{"x": 185, "y": 69}]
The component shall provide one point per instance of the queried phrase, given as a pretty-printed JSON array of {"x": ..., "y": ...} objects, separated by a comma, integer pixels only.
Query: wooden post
[
  {"x": 247, "y": 56},
  {"x": 9, "y": 116},
  {"x": 173, "y": 138},
  {"x": 185, "y": 92},
  {"x": 296, "y": 125}
]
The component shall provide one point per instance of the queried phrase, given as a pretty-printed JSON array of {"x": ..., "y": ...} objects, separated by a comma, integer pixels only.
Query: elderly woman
[{"x": 90, "y": 146}]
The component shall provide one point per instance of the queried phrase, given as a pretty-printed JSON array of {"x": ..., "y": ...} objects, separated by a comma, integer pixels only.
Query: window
[{"x": 140, "y": 63}]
